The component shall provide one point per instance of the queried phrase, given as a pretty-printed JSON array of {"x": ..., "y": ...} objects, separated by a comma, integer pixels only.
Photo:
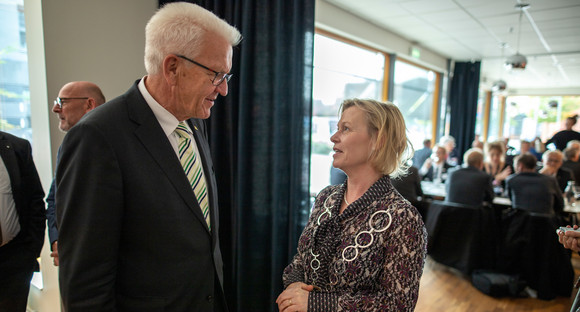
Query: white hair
[
  {"x": 447, "y": 139},
  {"x": 181, "y": 28}
]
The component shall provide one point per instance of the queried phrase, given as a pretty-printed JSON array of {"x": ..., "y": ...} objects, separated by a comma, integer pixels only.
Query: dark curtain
[
  {"x": 463, "y": 96},
  {"x": 260, "y": 141}
]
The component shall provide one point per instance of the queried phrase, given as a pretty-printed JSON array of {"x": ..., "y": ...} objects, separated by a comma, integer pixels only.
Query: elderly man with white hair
[{"x": 136, "y": 192}]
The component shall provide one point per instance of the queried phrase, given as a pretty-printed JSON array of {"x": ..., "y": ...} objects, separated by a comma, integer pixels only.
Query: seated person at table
[
  {"x": 496, "y": 166},
  {"x": 469, "y": 185},
  {"x": 435, "y": 168},
  {"x": 571, "y": 156},
  {"x": 421, "y": 155},
  {"x": 553, "y": 167},
  {"x": 574, "y": 144},
  {"x": 409, "y": 186},
  {"x": 532, "y": 191},
  {"x": 448, "y": 142}
]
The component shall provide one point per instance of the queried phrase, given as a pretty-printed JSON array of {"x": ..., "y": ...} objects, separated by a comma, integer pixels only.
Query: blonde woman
[{"x": 364, "y": 246}]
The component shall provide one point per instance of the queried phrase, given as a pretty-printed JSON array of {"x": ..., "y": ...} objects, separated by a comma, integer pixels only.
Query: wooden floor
[{"x": 447, "y": 290}]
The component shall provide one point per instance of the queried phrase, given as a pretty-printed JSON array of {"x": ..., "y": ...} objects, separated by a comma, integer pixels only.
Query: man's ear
[
  {"x": 170, "y": 67},
  {"x": 91, "y": 104}
]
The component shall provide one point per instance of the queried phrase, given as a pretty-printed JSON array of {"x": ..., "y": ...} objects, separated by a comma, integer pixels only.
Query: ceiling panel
[{"x": 474, "y": 29}]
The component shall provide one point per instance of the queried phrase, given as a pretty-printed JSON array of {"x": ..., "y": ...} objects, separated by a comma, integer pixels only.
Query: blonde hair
[
  {"x": 392, "y": 148},
  {"x": 547, "y": 154},
  {"x": 182, "y": 27}
]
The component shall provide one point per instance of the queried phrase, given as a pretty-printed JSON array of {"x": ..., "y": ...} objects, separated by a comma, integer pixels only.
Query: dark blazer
[
  {"x": 132, "y": 236},
  {"x": 469, "y": 186},
  {"x": 573, "y": 166},
  {"x": 429, "y": 175},
  {"x": 534, "y": 192},
  {"x": 409, "y": 186},
  {"x": 563, "y": 176},
  {"x": 28, "y": 195}
]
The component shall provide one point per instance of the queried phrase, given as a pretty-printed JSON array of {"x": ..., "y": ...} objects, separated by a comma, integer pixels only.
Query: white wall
[{"x": 100, "y": 41}]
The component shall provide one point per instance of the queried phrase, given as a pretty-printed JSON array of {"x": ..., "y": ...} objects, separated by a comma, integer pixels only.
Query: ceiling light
[
  {"x": 518, "y": 61},
  {"x": 500, "y": 85}
]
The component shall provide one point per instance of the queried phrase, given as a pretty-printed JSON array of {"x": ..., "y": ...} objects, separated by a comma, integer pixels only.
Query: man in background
[
  {"x": 470, "y": 185},
  {"x": 571, "y": 157},
  {"x": 74, "y": 100},
  {"x": 552, "y": 166},
  {"x": 22, "y": 221},
  {"x": 422, "y": 154},
  {"x": 435, "y": 168},
  {"x": 532, "y": 191},
  {"x": 136, "y": 191}
]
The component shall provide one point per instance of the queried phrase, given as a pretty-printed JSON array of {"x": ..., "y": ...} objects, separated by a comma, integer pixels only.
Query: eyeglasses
[
  {"x": 60, "y": 100},
  {"x": 217, "y": 79}
]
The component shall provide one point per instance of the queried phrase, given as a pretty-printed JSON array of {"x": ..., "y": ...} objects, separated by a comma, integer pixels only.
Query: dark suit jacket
[
  {"x": 573, "y": 166},
  {"x": 28, "y": 195},
  {"x": 409, "y": 185},
  {"x": 132, "y": 236},
  {"x": 469, "y": 186},
  {"x": 429, "y": 175},
  {"x": 563, "y": 176},
  {"x": 534, "y": 192}
]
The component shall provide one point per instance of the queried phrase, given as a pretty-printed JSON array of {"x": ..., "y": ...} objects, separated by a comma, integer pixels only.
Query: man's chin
[{"x": 63, "y": 128}]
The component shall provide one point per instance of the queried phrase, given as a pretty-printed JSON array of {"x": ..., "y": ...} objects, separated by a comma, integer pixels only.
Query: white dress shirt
[
  {"x": 167, "y": 121},
  {"x": 9, "y": 223}
]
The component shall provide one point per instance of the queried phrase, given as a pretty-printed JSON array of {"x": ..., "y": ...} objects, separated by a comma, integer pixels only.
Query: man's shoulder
[
  {"x": 17, "y": 142},
  {"x": 115, "y": 110}
]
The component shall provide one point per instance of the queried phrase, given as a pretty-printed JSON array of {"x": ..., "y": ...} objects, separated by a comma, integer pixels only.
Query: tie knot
[{"x": 182, "y": 130}]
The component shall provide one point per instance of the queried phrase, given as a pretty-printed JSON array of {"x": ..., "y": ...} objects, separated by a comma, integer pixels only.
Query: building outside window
[
  {"x": 14, "y": 91},
  {"x": 413, "y": 94},
  {"x": 528, "y": 117}
]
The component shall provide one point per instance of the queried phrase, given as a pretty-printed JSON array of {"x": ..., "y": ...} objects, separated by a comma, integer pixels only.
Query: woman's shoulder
[{"x": 327, "y": 191}]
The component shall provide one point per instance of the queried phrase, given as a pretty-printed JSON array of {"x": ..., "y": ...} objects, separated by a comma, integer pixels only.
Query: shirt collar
[{"x": 167, "y": 121}]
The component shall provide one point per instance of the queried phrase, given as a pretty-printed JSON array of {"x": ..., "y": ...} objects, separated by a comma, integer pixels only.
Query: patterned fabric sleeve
[
  {"x": 294, "y": 272},
  {"x": 398, "y": 283}
]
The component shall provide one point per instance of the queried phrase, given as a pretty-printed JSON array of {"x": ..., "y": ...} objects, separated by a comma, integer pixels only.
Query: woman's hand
[
  {"x": 294, "y": 298},
  {"x": 570, "y": 239},
  {"x": 503, "y": 174}
]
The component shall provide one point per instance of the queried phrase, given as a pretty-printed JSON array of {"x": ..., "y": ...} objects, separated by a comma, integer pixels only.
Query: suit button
[{"x": 209, "y": 299}]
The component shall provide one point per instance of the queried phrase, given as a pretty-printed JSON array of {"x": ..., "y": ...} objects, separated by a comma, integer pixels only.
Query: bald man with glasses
[{"x": 74, "y": 100}]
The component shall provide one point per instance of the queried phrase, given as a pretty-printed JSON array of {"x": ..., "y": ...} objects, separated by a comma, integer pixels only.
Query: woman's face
[
  {"x": 352, "y": 142},
  {"x": 494, "y": 156}
]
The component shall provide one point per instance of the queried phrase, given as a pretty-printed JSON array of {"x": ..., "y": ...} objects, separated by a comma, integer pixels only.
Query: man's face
[
  {"x": 194, "y": 93},
  {"x": 75, "y": 104}
]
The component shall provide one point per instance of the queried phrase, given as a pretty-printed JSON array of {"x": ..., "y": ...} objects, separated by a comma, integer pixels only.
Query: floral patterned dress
[{"x": 369, "y": 258}]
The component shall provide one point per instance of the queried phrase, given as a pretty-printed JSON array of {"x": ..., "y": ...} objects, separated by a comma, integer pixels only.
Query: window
[
  {"x": 414, "y": 95},
  {"x": 494, "y": 116},
  {"x": 14, "y": 92},
  {"x": 528, "y": 117},
  {"x": 341, "y": 71}
]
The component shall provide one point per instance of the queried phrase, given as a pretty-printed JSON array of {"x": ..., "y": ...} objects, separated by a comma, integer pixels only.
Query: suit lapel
[
  {"x": 8, "y": 155},
  {"x": 151, "y": 135}
]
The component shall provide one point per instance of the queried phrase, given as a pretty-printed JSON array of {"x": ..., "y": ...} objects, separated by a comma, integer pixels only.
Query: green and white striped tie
[{"x": 193, "y": 169}]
